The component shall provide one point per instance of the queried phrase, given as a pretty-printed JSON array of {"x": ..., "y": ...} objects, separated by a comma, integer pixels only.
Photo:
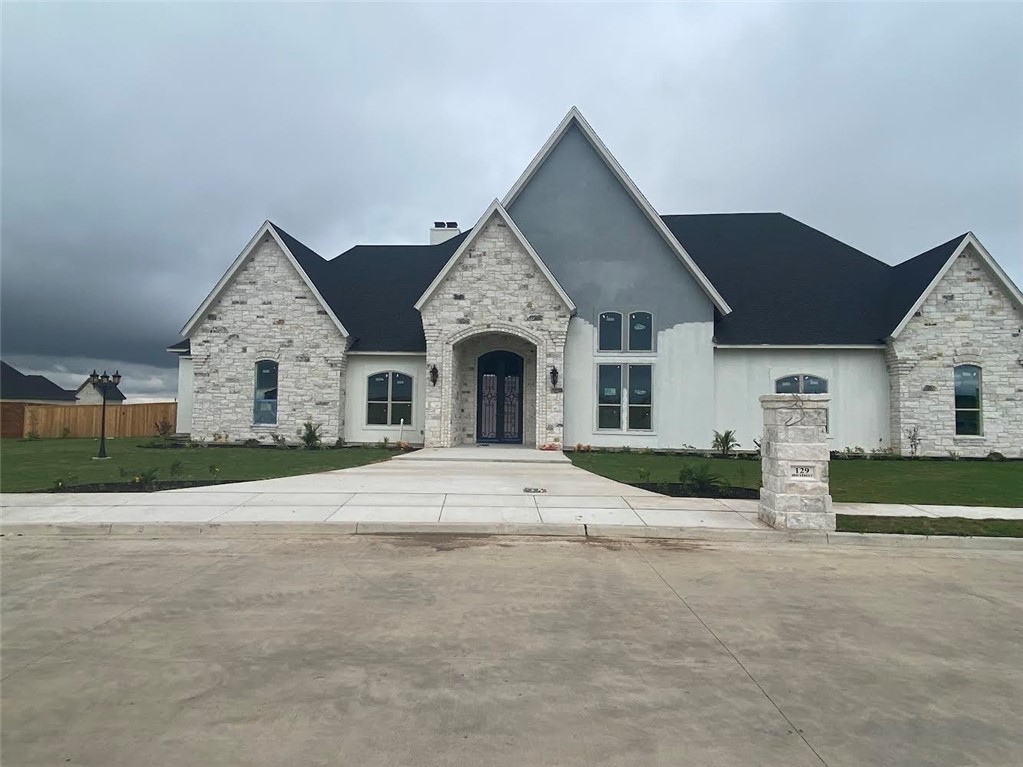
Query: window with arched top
[
  {"x": 804, "y": 383},
  {"x": 801, "y": 383},
  {"x": 968, "y": 399},
  {"x": 264, "y": 403},
  {"x": 641, "y": 332},
  {"x": 609, "y": 332},
  {"x": 389, "y": 399}
]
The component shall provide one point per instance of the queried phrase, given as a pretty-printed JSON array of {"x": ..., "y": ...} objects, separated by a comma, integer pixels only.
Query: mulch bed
[
  {"x": 139, "y": 487},
  {"x": 674, "y": 489}
]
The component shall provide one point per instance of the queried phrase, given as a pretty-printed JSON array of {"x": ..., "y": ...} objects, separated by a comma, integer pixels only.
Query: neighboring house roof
[
  {"x": 113, "y": 395},
  {"x": 15, "y": 385}
]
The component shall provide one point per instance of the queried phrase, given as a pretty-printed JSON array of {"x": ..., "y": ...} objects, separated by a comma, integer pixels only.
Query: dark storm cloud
[{"x": 143, "y": 145}]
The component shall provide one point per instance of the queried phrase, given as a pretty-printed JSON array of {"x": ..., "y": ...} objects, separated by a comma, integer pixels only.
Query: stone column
[{"x": 794, "y": 462}]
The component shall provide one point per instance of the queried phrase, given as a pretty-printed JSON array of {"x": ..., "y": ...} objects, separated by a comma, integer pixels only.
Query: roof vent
[{"x": 441, "y": 231}]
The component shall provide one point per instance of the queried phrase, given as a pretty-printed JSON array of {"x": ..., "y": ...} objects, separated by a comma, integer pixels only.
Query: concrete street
[{"x": 433, "y": 650}]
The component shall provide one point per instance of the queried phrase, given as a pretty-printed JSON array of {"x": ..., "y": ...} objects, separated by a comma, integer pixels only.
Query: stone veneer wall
[
  {"x": 494, "y": 288},
  {"x": 967, "y": 319},
  {"x": 267, "y": 312}
]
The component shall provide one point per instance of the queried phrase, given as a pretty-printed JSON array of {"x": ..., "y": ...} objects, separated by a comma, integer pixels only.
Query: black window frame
[
  {"x": 265, "y": 404},
  {"x": 391, "y": 418}
]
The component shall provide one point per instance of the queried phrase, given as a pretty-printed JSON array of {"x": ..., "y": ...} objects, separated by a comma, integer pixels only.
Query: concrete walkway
[{"x": 456, "y": 486}]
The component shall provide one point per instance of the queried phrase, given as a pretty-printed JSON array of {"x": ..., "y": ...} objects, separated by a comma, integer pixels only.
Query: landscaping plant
[{"x": 725, "y": 442}]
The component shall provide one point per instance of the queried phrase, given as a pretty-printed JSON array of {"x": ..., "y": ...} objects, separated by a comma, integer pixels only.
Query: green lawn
[
  {"x": 997, "y": 528},
  {"x": 37, "y": 464},
  {"x": 964, "y": 483}
]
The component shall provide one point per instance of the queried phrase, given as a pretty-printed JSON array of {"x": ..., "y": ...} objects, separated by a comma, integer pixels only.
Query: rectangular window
[
  {"x": 609, "y": 396},
  {"x": 640, "y": 397}
]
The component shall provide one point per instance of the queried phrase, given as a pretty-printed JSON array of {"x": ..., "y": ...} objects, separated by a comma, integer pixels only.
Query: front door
[{"x": 499, "y": 397}]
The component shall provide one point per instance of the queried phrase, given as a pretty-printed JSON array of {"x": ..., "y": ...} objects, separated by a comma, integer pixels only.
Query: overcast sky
[{"x": 143, "y": 145}]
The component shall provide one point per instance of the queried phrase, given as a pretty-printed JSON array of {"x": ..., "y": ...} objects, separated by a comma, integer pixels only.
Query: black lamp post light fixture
[{"x": 104, "y": 383}]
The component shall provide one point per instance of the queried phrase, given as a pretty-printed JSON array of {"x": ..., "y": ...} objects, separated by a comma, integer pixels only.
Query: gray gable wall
[{"x": 598, "y": 244}]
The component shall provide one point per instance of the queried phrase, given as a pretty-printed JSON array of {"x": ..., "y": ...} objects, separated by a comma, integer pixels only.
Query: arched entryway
[{"x": 500, "y": 388}]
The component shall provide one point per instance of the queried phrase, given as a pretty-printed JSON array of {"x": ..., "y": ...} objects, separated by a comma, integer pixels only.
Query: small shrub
[
  {"x": 164, "y": 429},
  {"x": 626, "y": 449},
  {"x": 279, "y": 440},
  {"x": 994, "y": 455},
  {"x": 953, "y": 454},
  {"x": 725, "y": 442},
  {"x": 403, "y": 444},
  {"x": 64, "y": 482},
  {"x": 698, "y": 480},
  {"x": 32, "y": 435},
  {"x": 214, "y": 470},
  {"x": 310, "y": 435},
  {"x": 144, "y": 477},
  {"x": 251, "y": 442},
  {"x": 176, "y": 469},
  {"x": 644, "y": 475},
  {"x": 339, "y": 442},
  {"x": 65, "y": 433}
]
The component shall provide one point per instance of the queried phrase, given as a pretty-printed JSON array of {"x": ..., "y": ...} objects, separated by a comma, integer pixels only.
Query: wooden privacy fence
[{"x": 84, "y": 420}]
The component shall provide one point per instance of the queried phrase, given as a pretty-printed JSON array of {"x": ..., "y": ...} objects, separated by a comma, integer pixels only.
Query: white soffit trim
[
  {"x": 809, "y": 347},
  {"x": 266, "y": 228},
  {"x": 495, "y": 209},
  {"x": 386, "y": 354},
  {"x": 574, "y": 115},
  {"x": 992, "y": 265}
]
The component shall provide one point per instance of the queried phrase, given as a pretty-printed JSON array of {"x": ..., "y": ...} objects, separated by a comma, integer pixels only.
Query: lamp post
[{"x": 104, "y": 383}]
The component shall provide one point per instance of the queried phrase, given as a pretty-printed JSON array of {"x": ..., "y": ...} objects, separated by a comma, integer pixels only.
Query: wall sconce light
[
  {"x": 433, "y": 374},
  {"x": 554, "y": 377}
]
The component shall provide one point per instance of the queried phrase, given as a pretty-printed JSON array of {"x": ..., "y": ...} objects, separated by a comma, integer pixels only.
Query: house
[
  {"x": 572, "y": 312},
  {"x": 15, "y": 386},
  {"x": 89, "y": 394}
]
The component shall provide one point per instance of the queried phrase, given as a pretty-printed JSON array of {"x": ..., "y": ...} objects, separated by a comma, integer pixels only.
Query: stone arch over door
[{"x": 452, "y": 404}]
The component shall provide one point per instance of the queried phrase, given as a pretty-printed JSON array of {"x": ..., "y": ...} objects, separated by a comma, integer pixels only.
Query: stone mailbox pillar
[{"x": 794, "y": 462}]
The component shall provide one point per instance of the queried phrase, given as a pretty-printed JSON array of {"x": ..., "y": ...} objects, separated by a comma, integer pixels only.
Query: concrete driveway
[{"x": 365, "y": 650}]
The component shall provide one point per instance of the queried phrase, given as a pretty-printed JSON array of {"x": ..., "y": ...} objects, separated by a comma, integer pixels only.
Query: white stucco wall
[
  {"x": 857, "y": 383},
  {"x": 683, "y": 387},
  {"x": 184, "y": 419},
  {"x": 360, "y": 367}
]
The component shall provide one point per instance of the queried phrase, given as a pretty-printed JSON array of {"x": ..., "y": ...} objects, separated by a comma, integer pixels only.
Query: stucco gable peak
[
  {"x": 495, "y": 211},
  {"x": 265, "y": 230},
  {"x": 575, "y": 118}
]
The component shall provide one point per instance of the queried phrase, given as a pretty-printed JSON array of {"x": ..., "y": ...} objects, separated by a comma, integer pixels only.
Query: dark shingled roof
[
  {"x": 787, "y": 283},
  {"x": 15, "y": 385},
  {"x": 373, "y": 289},
  {"x": 790, "y": 284}
]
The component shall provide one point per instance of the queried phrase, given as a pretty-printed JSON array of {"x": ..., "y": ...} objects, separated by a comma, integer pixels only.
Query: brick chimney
[{"x": 442, "y": 231}]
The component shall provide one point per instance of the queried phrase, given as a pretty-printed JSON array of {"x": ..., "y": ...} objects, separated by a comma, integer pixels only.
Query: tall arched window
[
  {"x": 389, "y": 399},
  {"x": 641, "y": 332},
  {"x": 967, "y": 399},
  {"x": 610, "y": 332},
  {"x": 264, "y": 407}
]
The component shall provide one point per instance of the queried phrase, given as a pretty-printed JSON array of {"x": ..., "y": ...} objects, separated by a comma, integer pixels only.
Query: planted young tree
[{"x": 725, "y": 442}]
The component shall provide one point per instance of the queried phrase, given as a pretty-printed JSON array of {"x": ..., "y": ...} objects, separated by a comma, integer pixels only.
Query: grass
[
  {"x": 998, "y": 528},
  {"x": 963, "y": 483},
  {"x": 28, "y": 465}
]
